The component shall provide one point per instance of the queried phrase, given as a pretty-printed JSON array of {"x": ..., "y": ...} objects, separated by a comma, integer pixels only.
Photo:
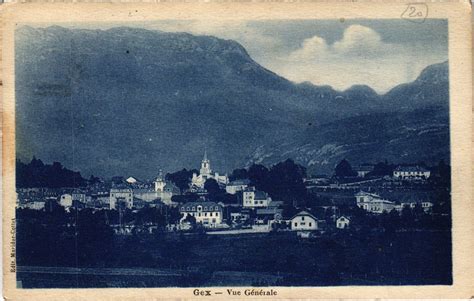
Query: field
[{"x": 275, "y": 259}]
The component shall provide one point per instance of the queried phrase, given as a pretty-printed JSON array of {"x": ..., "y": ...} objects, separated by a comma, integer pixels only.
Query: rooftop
[
  {"x": 260, "y": 195},
  {"x": 120, "y": 190},
  {"x": 205, "y": 206},
  {"x": 239, "y": 182},
  {"x": 411, "y": 168},
  {"x": 363, "y": 193},
  {"x": 304, "y": 213},
  {"x": 364, "y": 167},
  {"x": 265, "y": 211}
]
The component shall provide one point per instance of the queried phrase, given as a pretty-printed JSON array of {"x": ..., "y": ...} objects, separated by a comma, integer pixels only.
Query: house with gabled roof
[
  {"x": 343, "y": 222},
  {"x": 304, "y": 221}
]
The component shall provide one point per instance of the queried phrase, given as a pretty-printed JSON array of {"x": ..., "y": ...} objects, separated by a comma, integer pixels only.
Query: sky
[{"x": 340, "y": 53}]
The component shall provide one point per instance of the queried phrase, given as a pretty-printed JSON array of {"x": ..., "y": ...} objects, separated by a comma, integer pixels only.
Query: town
[
  {"x": 254, "y": 200},
  {"x": 256, "y": 226}
]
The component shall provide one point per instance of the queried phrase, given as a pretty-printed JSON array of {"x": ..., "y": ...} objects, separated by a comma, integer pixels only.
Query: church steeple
[
  {"x": 160, "y": 182},
  {"x": 160, "y": 175},
  {"x": 205, "y": 166}
]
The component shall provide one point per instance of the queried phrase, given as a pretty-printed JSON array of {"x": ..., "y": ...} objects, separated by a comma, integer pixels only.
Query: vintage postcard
[{"x": 233, "y": 150}]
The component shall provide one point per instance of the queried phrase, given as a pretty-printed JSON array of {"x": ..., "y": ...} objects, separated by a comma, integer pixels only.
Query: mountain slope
[
  {"x": 410, "y": 125},
  {"x": 431, "y": 88},
  {"x": 400, "y": 137},
  {"x": 131, "y": 101}
]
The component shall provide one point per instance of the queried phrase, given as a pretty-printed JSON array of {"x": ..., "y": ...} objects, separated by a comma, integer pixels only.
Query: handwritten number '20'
[{"x": 414, "y": 13}]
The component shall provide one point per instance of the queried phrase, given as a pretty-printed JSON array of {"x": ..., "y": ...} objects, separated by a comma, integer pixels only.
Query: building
[
  {"x": 150, "y": 197},
  {"x": 374, "y": 203},
  {"x": 411, "y": 173},
  {"x": 96, "y": 204},
  {"x": 34, "y": 205},
  {"x": 103, "y": 197},
  {"x": 237, "y": 186},
  {"x": 164, "y": 190},
  {"x": 205, "y": 173},
  {"x": 268, "y": 215},
  {"x": 363, "y": 169},
  {"x": 65, "y": 200},
  {"x": 304, "y": 221},
  {"x": 208, "y": 214},
  {"x": 131, "y": 180},
  {"x": 123, "y": 196},
  {"x": 426, "y": 206},
  {"x": 316, "y": 180},
  {"x": 160, "y": 182},
  {"x": 156, "y": 203},
  {"x": 79, "y": 196},
  {"x": 343, "y": 222},
  {"x": 239, "y": 217},
  {"x": 78, "y": 205},
  {"x": 363, "y": 197},
  {"x": 145, "y": 194},
  {"x": 252, "y": 198},
  {"x": 139, "y": 203}
]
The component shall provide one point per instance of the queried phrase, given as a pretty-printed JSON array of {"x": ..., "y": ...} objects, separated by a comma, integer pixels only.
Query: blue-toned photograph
[{"x": 211, "y": 153}]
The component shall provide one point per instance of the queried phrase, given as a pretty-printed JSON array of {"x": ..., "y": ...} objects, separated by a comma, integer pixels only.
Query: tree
[
  {"x": 188, "y": 197},
  {"x": 93, "y": 180},
  {"x": 258, "y": 176},
  {"x": 212, "y": 187},
  {"x": 382, "y": 169},
  {"x": 181, "y": 178},
  {"x": 174, "y": 216},
  {"x": 152, "y": 215},
  {"x": 289, "y": 211},
  {"x": 443, "y": 174},
  {"x": 227, "y": 198},
  {"x": 444, "y": 169},
  {"x": 216, "y": 194},
  {"x": 442, "y": 204},
  {"x": 406, "y": 217},
  {"x": 344, "y": 169},
  {"x": 285, "y": 182},
  {"x": 94, "y": 238},
  {"x": 190, "y": 219},
  {"x": 239, "y": 174},
  {"x": 38, "y": 174}
]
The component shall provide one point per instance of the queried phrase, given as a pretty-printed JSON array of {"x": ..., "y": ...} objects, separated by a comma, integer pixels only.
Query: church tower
[
  {"x": 160, "y": 183},
  {"x": 205, "y": 166}
]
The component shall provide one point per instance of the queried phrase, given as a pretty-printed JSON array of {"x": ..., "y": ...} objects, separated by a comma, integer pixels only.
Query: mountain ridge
[{"x": 137, "y": 100}]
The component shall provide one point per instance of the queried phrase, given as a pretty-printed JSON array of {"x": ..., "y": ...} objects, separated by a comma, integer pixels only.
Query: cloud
[
  {"x": 360, "y": 56},
  {"x": 357, "y": 41},
  {"x": 357, "y": 37},
  {"x": 312, "y": 48}
]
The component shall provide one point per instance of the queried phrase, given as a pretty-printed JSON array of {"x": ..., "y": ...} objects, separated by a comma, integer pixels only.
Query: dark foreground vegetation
[{"x": 90, "y": 255}]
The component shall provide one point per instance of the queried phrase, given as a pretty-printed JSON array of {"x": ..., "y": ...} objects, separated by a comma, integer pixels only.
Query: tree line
[
  {"x": 283, "y": 181},
  {"x": 38, "y": 174}
]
